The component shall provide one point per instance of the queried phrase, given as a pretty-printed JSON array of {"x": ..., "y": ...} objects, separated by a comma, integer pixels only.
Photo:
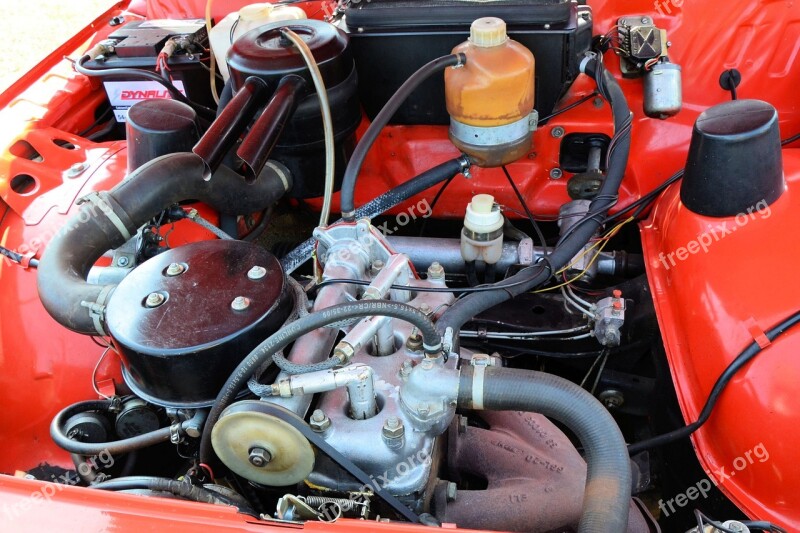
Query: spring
[{"x": 345, "y": 504}]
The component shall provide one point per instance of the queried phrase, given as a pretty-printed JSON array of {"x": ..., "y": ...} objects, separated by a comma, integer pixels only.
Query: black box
[{"x": 391, "y": 39}]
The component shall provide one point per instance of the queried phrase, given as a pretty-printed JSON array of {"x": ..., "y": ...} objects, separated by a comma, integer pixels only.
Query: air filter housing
[{"x": 735, "y": 161}]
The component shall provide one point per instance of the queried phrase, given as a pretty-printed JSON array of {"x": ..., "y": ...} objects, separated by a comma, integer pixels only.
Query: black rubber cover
[
  {"x": 159, "y": 127},
  {"x": 735, "y": 160},
  {"x": 180, "y": 353}
]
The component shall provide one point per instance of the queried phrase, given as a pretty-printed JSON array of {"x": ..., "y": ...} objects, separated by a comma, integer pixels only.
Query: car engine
[{"x": 372, "y": 262}]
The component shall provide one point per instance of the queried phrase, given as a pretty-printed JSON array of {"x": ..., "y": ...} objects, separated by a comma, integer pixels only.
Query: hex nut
[
  {"x": 393, "y": 428},
  {"x": 319, "y": 421}
]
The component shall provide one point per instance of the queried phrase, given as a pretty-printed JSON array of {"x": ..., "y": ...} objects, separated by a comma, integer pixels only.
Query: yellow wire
[
  {"x": 602, "y": 243},
  {"x": 212, "y": 63}
]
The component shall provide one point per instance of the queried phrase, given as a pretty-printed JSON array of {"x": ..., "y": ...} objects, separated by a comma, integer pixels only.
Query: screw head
[
  {"x": 256, "y": 273},
  {"x": 240, "y": 303},
  {"x": 611, "y": 398},
  {"x": 154, "y": 299},
  {"x": 319, "y": 421},
  {"x": 175, "y": 269},
  {"x": 259, "y": 457},
  {"x": 557, "y": 132},
  {"x": 123, "y": 261},
  {"x": 435, "y": 271},
  {"x": 376, "y": 267},
  {"x": 77, "y": 169},
  {"x": 556, "y": 174}
]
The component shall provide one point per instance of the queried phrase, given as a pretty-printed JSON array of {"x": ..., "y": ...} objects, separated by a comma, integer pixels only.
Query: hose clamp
[
  {"x": 477, "y": 386},
  {"x": 97, "y": 309},
  {"x": 104, "y": 206}
]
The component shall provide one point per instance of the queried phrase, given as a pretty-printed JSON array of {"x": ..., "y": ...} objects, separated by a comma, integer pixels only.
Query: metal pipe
[
  {"x": 215, "y": 144},
  {"x": 264, "y": 134},
  {"x": 424, "y": 251}
]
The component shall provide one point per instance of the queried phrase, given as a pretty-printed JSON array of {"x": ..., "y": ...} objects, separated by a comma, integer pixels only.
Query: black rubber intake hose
[
  {"x": 111, "y": 218},
  {"x": 290, "y": 332},
  {"x": 88, "y": 448},
  {"x": 385, "y": 202},
  {"x": 529, "y": 278},
  {"x": 181, "y": 489},
  {"x": 381, "y": 120},
  {"x": 606, "y": 499}
]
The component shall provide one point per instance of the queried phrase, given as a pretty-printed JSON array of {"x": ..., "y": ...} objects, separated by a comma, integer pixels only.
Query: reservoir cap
[{"x": 487, "y": 32}]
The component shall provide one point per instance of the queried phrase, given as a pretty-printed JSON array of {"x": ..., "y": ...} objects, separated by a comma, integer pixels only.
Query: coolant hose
[
  {"x": 109, "y": 219},
  {"x": 114, "y": 448},
  {"x": 181, "y": 489},
  {"x": 385, "y": 202},
  {"x": 606, "y": 498},
  {"x": 529, "y": 278},
  {"x": 380, "y": 121},
  {"x": 294, "y": 330}
]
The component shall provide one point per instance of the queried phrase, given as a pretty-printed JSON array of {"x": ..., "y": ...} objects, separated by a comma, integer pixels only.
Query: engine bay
[{"x": 455, "y": 264}]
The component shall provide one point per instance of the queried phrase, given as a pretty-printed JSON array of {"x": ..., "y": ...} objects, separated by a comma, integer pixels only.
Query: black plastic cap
[
  {"x": 735, "y": 160},
  {"x": 159, "y": 127}
]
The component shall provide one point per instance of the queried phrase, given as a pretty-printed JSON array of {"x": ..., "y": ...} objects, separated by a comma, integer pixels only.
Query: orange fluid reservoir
[{"x": 490, "y": 98}]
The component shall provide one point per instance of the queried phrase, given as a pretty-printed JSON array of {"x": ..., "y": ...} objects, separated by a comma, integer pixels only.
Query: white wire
[
  {"x": 327, "y": 122},
  {"x": 531, "y": 335}
]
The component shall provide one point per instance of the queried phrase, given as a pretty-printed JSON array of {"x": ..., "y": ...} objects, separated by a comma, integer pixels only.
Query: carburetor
[{"x": 359, "y": 411}]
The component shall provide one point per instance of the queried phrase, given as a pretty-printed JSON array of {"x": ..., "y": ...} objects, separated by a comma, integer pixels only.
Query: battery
[{"x": 136, "y": 45}]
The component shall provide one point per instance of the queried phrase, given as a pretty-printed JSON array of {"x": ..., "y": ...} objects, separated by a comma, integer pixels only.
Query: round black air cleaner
[
  {"x": 158, "y": 127},
  {"x": 266, "y": 54},
  {"x": 735, "y": 161},
  {"x": 186, "y": 318}
]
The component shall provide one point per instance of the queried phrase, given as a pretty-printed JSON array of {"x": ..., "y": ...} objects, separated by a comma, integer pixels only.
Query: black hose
[
  {"x": 294, "y": 330},
  {"x": 181, "y": 489},
  {"x": 90, "y": 448},
  {"x": 529, "y": 278},
  {"x": 719, "y": 386},
  {"x": 472, "y": 273},
  {"x": 80, "y": 67},
  {"x": 380, "y": 121},
  {"x": 606, "y": 498},
  {"x": 385, "y": 202},
  {"x": 98, "y": 227}
]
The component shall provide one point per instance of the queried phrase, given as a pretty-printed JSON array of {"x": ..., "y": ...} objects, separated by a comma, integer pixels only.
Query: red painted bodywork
[{"x": 703, "y": 303}]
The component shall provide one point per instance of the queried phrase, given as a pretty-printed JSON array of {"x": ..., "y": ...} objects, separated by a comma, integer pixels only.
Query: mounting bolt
[
  {"x": 154, "y": 299},
  {"x": 175, "y": 269},
  {"x": 259, "y": 457},
  {"x": 406, "y": 369},
  {"x": 77, "y": 169},
  {"x": 612, "y": 398},
  {"x": 556, "y": 174},
  {"x": 240, "y": 303},
  {"x": 376, "y": 267},
  {"x": 645, "y": 20},
  {"x": 393, "y": 428},
  {"x": 425, "y": 309},
  {"x": 319, "y": 421},
  {"x": 123, "y": 261},
  {"x": 423, "y": 409},
  {"x": 435, "y": 271},
  {"x": 256, "y": 273},
  {"x": 557, "y": 132},
  {"x": 452, "y": 491}
]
